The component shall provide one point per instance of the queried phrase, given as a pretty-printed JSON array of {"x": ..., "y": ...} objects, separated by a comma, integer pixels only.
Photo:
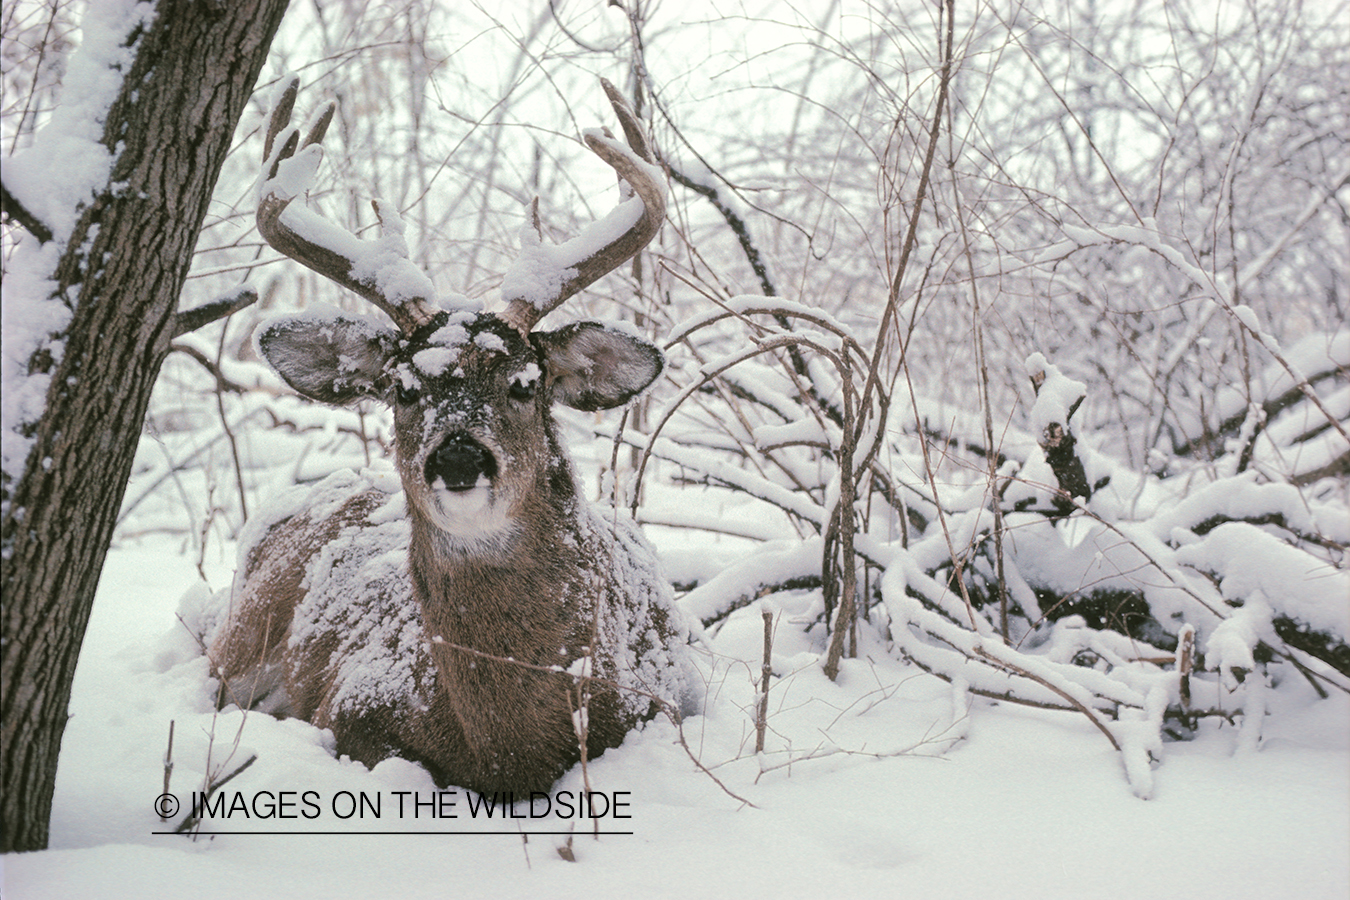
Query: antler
[
  {"x": 543, "y": 277},
  {"x": 379, "y": 270}
]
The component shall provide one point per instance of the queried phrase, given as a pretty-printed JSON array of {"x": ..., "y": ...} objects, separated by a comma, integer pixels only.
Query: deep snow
[{"x": 1026, "y": 804}]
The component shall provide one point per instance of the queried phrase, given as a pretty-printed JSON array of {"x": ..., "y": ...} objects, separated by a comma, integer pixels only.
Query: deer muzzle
[{"x": 460, "y": 463}]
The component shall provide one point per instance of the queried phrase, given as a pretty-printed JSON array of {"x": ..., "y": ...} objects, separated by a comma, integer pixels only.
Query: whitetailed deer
[{"x": 485, "y": 621}]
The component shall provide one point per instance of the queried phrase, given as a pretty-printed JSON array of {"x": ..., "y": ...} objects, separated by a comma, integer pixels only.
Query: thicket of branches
[
  {"x": 1152, "y": 207},
  {"x": 1016, "y": 337}
]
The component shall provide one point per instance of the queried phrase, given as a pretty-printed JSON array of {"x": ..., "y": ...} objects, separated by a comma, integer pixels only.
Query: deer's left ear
[{"x": 594, "y": 367}]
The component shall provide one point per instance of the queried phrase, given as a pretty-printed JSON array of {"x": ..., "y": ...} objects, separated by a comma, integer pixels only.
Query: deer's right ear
[{"x": 333, "y": 359}]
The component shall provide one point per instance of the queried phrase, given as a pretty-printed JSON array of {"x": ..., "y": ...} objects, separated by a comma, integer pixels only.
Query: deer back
[{"x": 318, "y": 617}]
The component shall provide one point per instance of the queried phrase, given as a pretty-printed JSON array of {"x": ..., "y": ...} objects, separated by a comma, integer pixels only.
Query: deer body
[
  {"x": 477, "y": 614},
  {"x": 353, "y": 649}
]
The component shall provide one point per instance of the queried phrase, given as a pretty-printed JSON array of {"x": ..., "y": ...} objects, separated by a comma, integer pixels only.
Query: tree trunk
[{"x": 121, "y": 272}]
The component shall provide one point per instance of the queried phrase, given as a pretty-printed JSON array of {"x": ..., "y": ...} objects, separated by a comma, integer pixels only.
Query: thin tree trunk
[{"x": 121, "y": 272}]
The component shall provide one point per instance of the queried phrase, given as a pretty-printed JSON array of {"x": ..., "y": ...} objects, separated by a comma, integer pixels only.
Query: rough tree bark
[{"x": 121, "y": 272}]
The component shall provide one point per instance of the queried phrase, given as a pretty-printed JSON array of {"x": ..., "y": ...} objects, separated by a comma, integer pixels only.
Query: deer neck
[{"x": 510, "y": 595}]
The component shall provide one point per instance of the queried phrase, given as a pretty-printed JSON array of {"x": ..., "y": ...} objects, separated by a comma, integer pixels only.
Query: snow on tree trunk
[{"x": 181, "y": 75}]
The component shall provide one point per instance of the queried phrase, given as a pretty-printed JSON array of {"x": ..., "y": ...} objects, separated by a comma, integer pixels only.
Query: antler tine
[
  {"x": 281, "y": 117},
  {"x": 628, "y": 120},
  {"x": 379, "y": 272},
  {"x": 526, "y": 303}
]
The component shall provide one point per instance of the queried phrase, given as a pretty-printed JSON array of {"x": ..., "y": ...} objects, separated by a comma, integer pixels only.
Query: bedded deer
[{"x": 475, "y": 614}]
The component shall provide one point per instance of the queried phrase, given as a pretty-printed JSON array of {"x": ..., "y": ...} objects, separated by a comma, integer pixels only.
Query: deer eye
[
  {"x": 521, "y": 390},
  {"x": 525, "y": 384},
  {"x": 407, "y": 395}
]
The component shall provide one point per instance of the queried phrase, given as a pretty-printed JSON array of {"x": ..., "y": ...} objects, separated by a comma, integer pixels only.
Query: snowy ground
[{"x": 1024, "y": 804}]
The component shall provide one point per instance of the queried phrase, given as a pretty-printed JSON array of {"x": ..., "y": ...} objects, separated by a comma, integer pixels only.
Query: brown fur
[{"x": 323, "y": 626}]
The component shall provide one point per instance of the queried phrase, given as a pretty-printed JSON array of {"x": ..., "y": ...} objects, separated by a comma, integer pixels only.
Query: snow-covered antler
[
  {"x": 379, "y": 271},
  {"x": 543, "y": 277}
]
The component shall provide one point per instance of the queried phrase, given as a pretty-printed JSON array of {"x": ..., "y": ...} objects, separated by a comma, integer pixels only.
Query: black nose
[{"x": 459, "y": 461}]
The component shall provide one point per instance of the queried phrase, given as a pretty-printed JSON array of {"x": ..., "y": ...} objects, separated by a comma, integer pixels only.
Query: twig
[
  {"x": 17, "y": 212},
  {"x": 1185, "y": 660},
  {"x": 226, "y": 305},
  {"x": 1068, "y": 698},
  {"x": 168, "y": 766},
  {"x": 766, "y": 670},
  {"x": 911, "y": 234},
  {"x": 222, "y": 381},
  {"x": 229, "y": 432},
  {"x": 193, "y": 820}
]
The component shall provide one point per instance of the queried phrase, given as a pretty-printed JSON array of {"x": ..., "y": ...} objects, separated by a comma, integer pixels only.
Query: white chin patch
[{"x": 468, "y": 513}]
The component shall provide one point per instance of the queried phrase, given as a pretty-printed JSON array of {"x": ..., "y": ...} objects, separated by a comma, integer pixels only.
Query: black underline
[{"x": 324, "y": 833}]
